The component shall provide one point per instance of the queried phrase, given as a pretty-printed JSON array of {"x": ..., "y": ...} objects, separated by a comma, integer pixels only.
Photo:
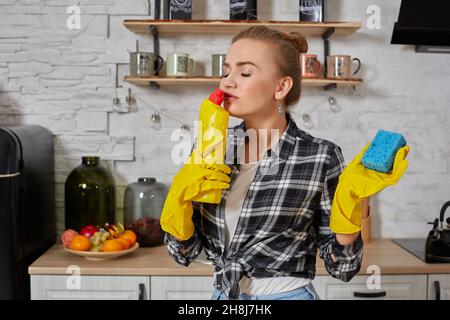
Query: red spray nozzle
[{"x": 216, "y": 97}]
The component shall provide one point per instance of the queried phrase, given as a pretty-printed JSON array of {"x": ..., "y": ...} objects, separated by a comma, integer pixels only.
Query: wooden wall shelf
[
  {"x": 156, "y": 27},
  {"x": 226, "y": 26},
  {"x": 146, "y": 81}
]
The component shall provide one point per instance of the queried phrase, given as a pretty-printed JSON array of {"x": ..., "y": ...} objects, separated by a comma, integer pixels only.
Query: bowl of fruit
[{"x": 94, "y": 243}]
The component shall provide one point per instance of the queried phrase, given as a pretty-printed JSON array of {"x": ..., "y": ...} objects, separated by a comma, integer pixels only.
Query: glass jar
[
  {"x": 143, "y": 204},
  {"x": 89, "y": 195}
]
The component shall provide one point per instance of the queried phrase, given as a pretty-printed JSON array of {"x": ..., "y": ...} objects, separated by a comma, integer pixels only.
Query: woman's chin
[{"x": 232, "y": 109}]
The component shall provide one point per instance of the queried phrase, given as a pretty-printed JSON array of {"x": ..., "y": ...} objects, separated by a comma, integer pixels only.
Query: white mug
[{"x": 179, "y": 65}]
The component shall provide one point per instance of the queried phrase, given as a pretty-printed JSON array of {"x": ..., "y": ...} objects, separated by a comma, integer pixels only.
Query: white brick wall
[{"x": 64, "y": 80}]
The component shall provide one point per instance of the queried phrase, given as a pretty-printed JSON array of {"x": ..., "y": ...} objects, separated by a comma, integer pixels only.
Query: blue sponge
[{"x": 381, "y": 153}]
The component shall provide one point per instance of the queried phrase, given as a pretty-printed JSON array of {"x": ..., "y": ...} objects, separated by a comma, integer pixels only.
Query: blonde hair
[{"x": 289, "y": 47}]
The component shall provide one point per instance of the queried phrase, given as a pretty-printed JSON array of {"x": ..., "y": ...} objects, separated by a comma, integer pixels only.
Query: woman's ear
[{"x": 283, "y": 87}]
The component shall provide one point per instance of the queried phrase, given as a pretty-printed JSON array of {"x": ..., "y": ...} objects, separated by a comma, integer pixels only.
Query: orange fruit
[
  {"x": 124, "y": 241},
  {"x": 80, "y": 243},
  {"x": 130, "y": 236},
  {"x": 112, "y": 245}
]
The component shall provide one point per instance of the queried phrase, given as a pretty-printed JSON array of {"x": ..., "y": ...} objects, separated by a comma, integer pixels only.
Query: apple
[
  {"x": 67, "y": 237},
  {"x": 89, "y": 230}
]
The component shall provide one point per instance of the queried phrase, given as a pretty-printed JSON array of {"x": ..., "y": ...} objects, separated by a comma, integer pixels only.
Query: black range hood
[{"x": 425, "y": 24}]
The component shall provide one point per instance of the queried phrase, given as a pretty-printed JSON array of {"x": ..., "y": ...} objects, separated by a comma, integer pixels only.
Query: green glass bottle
[{"x": 89, "y": 195}]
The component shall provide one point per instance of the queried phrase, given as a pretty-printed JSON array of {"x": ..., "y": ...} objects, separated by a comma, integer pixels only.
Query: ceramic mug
[
  {"x": 217, "y": 61},
  {"x": 143, "y": 64},
  {"x": 311, "y": 67},
  {"x": 339, "y": 66},
  {"x": 179, "y": 65},
  {"x": 191, "y": 66}
]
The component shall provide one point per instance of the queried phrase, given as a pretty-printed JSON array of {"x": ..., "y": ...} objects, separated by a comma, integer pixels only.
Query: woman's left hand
[
  {"x": 356, "y": 183},
  {"x": 366, "y": 182}
]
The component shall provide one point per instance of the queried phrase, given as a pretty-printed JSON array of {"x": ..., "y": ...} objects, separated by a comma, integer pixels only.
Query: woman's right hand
[
  {"x": 195, "y": 177},
  {"x": 199, "y": 176}
]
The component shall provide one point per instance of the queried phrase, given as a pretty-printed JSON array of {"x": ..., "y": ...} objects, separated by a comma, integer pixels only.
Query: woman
[{"x": 276, "y": 202}]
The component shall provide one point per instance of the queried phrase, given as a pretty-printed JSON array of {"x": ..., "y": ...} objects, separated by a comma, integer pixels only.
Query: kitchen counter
[{"x": 156, "y": 261}]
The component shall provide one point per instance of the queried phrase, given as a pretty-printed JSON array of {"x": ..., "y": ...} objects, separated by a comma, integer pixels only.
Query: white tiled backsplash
[{"x": 64, "y": 79}]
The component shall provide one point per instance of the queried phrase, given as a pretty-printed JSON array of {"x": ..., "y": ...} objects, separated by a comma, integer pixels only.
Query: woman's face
[{"x": 251, "y": 76}]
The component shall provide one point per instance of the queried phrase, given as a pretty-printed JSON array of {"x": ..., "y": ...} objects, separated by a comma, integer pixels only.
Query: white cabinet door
[
  {"x": 181, "y": 288},
  {"x": 439, "y": 287},
  {"x": 391, "y": 287},
  {"x": 55, "y": 287}
]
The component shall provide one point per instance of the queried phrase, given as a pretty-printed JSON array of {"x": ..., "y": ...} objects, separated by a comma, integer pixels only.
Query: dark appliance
[
  {"x": 27, "y": 215},
  {"x": 437, "y": 248},
  {"x": 425, "y": 24},
  {"x": 414, "y": 246}
]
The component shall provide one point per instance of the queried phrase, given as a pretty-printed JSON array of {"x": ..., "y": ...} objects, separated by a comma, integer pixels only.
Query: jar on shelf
[
  {"x": 89, "y": 195},
  {"x": 143, "y": 204}
]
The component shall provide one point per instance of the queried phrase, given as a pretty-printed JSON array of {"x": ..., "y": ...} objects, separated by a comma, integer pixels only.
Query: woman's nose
[{"x": 228, "y": 82}]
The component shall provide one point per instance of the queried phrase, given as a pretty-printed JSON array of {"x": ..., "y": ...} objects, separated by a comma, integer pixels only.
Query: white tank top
[{"x": 233, "y": 206}]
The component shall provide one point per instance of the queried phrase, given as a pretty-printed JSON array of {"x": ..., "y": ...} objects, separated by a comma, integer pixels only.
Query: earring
[{"x": 280, "y": 108}]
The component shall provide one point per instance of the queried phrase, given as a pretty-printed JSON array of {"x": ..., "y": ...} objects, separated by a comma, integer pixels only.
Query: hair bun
[{"x": 297, "y": 40}]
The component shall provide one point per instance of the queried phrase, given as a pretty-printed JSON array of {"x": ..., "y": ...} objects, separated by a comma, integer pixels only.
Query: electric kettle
[{"x": 437, "y": 247}]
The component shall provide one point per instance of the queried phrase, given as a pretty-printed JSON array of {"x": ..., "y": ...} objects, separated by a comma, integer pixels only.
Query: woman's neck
[{"x": 269, "y": 129}]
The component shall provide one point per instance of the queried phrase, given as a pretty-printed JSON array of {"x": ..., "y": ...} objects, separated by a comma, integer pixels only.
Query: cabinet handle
[
  {"x": 377, "y": 294},
  {"x": 141, "y": 291},
  {"x": 437, "y": 290}
]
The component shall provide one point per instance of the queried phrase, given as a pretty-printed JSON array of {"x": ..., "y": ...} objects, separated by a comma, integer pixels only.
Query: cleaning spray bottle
[{"x": 211, "y": 138}]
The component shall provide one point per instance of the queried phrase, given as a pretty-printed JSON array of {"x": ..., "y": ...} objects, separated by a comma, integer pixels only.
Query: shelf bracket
[
  {"x": 326, "y": 53},
  {"x": 155, "y": 34},
  {"x": 330, "y": 86},
  {"x": 153, "y": 84}
]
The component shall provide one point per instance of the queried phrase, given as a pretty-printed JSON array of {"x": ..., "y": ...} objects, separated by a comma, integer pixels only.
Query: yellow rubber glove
[
  {"x": 193, "y": 180},
  {"x": 211, "y": 138},
  {"x": 356, "y": 183}
]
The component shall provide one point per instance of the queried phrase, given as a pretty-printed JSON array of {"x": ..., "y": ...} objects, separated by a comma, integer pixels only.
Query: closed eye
[{"x": 242, "y": 74}]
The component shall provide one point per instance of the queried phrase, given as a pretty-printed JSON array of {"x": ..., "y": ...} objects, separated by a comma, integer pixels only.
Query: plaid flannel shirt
[{"x": 284, "y": 218}]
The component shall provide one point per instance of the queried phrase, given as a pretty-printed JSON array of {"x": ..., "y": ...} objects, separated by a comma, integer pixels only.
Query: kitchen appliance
[
  {"x": 414, "y": 246},
  {"x": 424, "y": 24},
  {"x": 27, "y": 216},
  {"x": 437, "y": 248}
]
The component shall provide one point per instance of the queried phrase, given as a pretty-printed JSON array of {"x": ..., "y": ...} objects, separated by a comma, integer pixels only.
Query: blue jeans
[{"x": 304, "y": 293}]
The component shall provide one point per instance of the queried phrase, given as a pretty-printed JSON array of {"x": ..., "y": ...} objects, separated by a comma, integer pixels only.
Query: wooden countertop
[{"x": 156, "y": 261}]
